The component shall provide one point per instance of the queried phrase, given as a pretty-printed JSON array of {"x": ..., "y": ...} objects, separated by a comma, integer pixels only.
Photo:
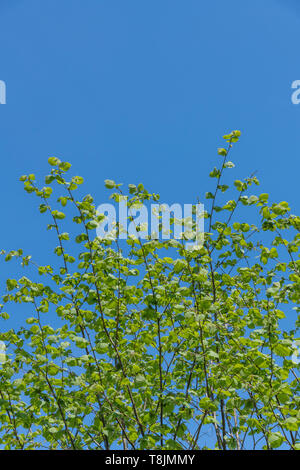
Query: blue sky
[{"x": 142, "y": 91}]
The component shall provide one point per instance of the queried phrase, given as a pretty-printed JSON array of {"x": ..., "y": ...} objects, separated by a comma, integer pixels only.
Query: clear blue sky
[{"x": 141, "y": 91}]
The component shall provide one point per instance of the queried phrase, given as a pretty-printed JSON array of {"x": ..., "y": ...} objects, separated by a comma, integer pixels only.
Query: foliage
[{"x": 129, "y": 348}]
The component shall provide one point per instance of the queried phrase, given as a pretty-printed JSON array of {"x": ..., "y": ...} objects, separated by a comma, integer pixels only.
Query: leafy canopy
[{"x": 146, "y": 345}]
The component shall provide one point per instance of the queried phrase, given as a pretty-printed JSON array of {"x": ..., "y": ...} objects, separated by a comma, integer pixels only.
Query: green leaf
[
  {"x": 275, "y": 439},
  {"x": 222, "y": 152},
  {"x": 110, "y": 184},
  {"x": 64, "y": 166},
  {"x": 292, "y": 424},
  {"x": 239, "y": 185},
  {"x": 58, "y": 214},
  {"x": 77, "y": 179},
  {"x": 264, "y": 197},
  {"x": 53, "y": 161}
]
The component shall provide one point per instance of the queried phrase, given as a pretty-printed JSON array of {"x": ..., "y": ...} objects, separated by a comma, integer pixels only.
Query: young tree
[{"x": 129, "y": 348}]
